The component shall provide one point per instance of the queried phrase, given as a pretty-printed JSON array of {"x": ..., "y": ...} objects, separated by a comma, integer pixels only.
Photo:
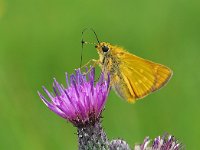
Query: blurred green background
[{"x": 40, "y": 39}]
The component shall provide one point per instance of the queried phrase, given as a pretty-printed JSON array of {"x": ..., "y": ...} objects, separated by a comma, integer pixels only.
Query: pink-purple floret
[
  {"x": 167, "y": 142},
  {"x": 82, "y": 101}
]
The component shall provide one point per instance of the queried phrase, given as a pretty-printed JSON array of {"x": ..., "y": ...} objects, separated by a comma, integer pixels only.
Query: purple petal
[
  {"x": 51, "y": 106},
  {"x": 47, "y": 92},
  {"x": 67, "y": 80},
  {"x": 57, "y": 85}
]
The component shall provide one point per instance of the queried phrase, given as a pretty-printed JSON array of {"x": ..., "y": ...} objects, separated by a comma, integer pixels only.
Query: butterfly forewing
[
  {"x": 163, "y": 74},
  {"x": 142, "y": 76}
]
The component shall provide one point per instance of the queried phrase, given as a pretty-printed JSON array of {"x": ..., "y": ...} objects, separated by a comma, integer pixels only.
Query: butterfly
[{"x": 132, "y": 77}]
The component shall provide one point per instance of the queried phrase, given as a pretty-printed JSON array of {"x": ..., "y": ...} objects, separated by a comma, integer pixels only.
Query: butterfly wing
[{"x": 139, "y": 77}]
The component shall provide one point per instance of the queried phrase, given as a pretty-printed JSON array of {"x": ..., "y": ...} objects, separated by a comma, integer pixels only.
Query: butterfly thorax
[{"x": 108, "y": 58}]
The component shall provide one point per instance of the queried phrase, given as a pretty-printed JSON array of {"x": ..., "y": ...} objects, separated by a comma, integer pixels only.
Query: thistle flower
[
  {"x": 119, "y": 144},
  {"x": 167, "y": 142},
  {"x": 81, "y": 103}
]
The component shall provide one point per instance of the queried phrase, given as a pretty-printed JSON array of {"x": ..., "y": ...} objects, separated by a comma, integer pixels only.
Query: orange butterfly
[{"x": 131, "y": 77}]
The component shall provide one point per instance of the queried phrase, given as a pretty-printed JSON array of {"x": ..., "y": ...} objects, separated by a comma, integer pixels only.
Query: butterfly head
[{"x": 103, "y": 48}]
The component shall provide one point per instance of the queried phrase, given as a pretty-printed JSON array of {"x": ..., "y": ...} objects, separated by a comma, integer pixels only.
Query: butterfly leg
[
  {"x": 95, "y": 62},
  {"x": 90, "y": 61}
]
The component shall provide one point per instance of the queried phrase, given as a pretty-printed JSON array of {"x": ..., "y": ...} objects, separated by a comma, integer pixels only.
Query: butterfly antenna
[
  {"x": 95, "y": 35},
  {"x": 82, "y": 43}
]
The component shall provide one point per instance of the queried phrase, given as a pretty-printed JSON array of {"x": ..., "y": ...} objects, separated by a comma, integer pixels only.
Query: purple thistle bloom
[
  {"x": 82, "y": 101},
  {"x": 167, "y": 142}
]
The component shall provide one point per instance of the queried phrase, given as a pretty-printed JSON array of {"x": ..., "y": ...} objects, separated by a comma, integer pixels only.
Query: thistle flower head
[
  {"x": 167, "y": 142},
  {"x": 119, "y": 144},
  {"x": 82, "y": 101}
]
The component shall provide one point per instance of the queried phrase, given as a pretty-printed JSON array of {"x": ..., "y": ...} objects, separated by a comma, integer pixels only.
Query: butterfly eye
[{"x": 105, "y": 49}]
